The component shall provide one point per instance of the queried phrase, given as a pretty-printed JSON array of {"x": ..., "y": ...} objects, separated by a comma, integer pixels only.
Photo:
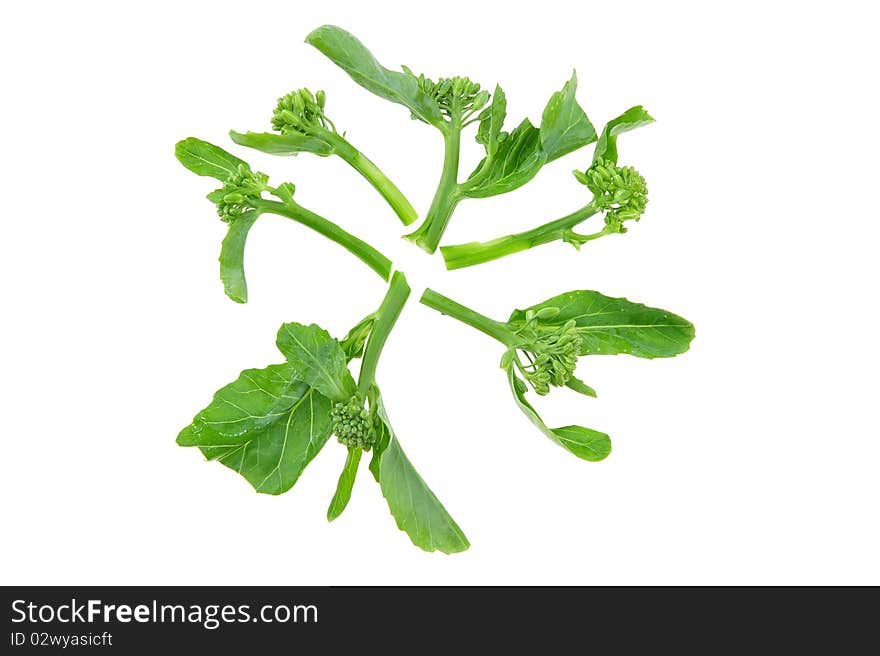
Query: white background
[{"x": 751, "y": 459}]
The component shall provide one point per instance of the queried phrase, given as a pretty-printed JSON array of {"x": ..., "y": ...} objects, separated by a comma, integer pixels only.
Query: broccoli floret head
[
  {"x": 455, "y": 95},
  {"x": 620, "y": 190},
  {"x": 551, "y": 350},
  {"x": 353, "y": 424},
  {"x": 238, "y": 193},
  {"x": 301, "y": 111}
]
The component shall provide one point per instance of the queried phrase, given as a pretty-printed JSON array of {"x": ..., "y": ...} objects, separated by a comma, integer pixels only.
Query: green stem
[
  {"x": 374, "y": 175},
  {"x": 446, "y": 197},
  {"x": 484, "y": 324},
  {"x": 386, "y": 317},
  {"x": 465, "y": 255},
  {"x": 357, "y": 247}
]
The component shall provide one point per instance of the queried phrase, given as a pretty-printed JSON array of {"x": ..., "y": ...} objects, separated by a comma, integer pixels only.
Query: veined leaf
[
  {"x": 609, "y": 326},
  {"x": 352, "y": 56},
  {"x": 232, "y": 257},
  {"x": 255, "y": 399},
  {"x": 413, "y": 505},
  {"x": 518, "y": 159},
  {"x": 292, "y": 143},
  {"x": 606, "y": 147},
  {"x": 583, "y": 442},
  {"x": 266, "y": 425},
  {"x": 564, "y": 125},
  {"x": 346, "y": 483},
  {"x": 203, "y": 158},
  {"x": 318, "y": 359}
]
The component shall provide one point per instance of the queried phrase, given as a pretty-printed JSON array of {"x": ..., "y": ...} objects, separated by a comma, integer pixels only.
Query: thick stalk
[
  {"x": 446, "y": 197},
  {"x": 474, "y": 319},
  {"x": 386, "y": 317},
  {"x": 465, "y": 255},
  {"x": 374, "y": 175},
  {"x": 357, "y": 247}
]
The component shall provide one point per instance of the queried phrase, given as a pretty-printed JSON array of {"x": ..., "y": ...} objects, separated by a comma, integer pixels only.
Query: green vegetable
[
  {"x": 240, "y": 202},
  {"x": 269, "y": 423},
  {"x": 542, "y": 344},
  {"x": 450, "y": 105},
  {"x": 301, "y": 125},
  {"x": 618, "y": 191}
]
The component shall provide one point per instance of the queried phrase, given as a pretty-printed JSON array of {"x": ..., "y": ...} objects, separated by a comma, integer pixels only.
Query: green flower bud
[
  {"x": 352, "y": 424},
  {"x": 480, "y": 101},
  {"x": 547, "y": 312},
  {"x": 620, "y": 191},
  {"x": 301, "y": 111},
  {"x": 239, "y": 192},
  {"x": 553, "y": 354}
]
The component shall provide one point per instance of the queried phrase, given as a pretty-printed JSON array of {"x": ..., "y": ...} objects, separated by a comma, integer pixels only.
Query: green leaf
[
  {"x": 564, "y": 125},
  {"x": 491, "y": 122},
  {"x": 232, "y": 257},
  {"x": 352, "y": 56},
  {"x": 580, "y": 386},
  {"x": 606, "y": 147},
  {"x": 414, "y": 507},
  {"x": 610, "y": 326},
  {"x": 292, "y": 143},
  {"x": 353, "y": 343},
  {"x": 384, "y": 436},
  {"x": 344, "y": 486},
  {"x": 255, "y": 399},
  {"x": 518, "y": 159},
  {"x": 266, "y": 425},
  {"x": 318, "y": 359},
  {"x": 583, "y": 442},
  {"x": 203, "y": 158}
]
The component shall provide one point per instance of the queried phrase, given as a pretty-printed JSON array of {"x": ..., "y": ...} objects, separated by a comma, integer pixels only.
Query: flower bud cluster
[
  {"x": 353, "y": 424},
  {"x": 620, "y": 190},
  {"x": 301, "y": 111},
  {"x": 239, "y": 192}
]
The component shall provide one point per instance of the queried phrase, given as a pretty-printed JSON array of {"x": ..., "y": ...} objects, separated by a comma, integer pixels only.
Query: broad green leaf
[
  {"x": 292, "y": 143},
  {"x": 414, "y": 507},
  {"x": 564, "y": 125},
  {"x": 580, "y": 386},
  {"x": 232, "y": 257},
  {"x": 266, "y": 425},
  {"x": 344, "y": 486},
  {"x": 518, "y": 159},
  {"x": 606, "y": 147},
  {"x": 491, "y": 122},
  {"x": 352, "y": 56},
  {"x": 255, "y": 399},
  {"x": 583, "y": 442},
  {"x": 609, "y": 326},
  {"x": 203, "y": 158},
  {"x": 318, "y": 360}
]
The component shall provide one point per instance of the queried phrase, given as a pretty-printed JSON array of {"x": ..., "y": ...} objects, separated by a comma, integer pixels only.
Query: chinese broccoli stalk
[
  {"x": 240, "y": 202},
  {"x": 618, "y": 191},
  {"x": 302, "y": 126},
  {"x": 543, "y": 342},
  {"x": 450, "y": 105},
  {"x": 270, "y": 423}
]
